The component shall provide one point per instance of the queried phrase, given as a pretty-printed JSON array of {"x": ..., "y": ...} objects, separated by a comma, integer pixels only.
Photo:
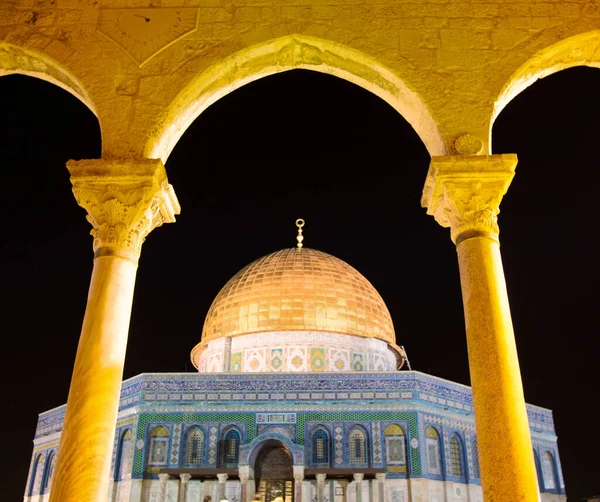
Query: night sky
[{"x": 306, "y": 145}]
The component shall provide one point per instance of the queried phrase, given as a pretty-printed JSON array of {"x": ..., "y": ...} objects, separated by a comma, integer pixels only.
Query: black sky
[{"x": 303, "y": 144}]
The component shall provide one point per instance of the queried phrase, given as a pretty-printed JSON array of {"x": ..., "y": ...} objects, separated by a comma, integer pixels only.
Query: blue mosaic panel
[
  {"x": 178, "y": 418},
  {"x": 410, "y": 417}
]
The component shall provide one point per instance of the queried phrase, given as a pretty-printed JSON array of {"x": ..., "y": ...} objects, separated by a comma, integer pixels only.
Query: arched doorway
[{"x": 274, "y": 472}]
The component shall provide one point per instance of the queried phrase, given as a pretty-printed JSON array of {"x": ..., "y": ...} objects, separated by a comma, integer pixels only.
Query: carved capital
[
  {"x": 464, "y": 193},
  {"x": 298, "y": 477},
  {"x": 244, "y": 478},
  {"x": 164, "y": 477},
  {"x": 125, "y": 201},
  {"x": 222, "y": 477},
  {"x": 380, "y": 476},
  {"x": 320, "y": 478},
  {"x": 358, "y": 476},
  {"x": 185, "y": 478}
]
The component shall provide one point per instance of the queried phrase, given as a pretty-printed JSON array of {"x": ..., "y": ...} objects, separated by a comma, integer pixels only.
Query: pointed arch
[
  {"x": 124, "y": 455},
  {"x": 579, "y": 50},
  {"x": 17, "y": 60},
  {"x": 193, "y": 455},
  {"x": 549, "y": 471},
  {"x": 229, "y": 450},
  {"x": 36, "y": 472},
  {"x": 48, "y": 472},
  {"x": 395, "y": 448},
  {"x": 456, "y": 463},
  {"x": 434, "y": 451},
  {"x": 320, "y": 446},
  {"x": 159, "y": 446},
  {"x": 358, "y": 446},
  {"x": 283, "y": 54}
]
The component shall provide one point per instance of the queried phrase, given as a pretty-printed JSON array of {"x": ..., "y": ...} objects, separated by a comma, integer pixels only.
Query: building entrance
[{"x": 275, "y": 474}]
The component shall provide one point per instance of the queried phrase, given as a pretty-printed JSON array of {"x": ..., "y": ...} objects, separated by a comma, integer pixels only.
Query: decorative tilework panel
[
  {"x": 317, "y": 359},
  {"x": 248, "y": 419},
  {"x": 175, "y": 444},
  {"x": 376, "y": 437},
  {"x": 235, "y": 364}
]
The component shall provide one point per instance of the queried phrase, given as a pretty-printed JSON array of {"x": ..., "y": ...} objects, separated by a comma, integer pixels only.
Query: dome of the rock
[{"x": 303, "y": 296}]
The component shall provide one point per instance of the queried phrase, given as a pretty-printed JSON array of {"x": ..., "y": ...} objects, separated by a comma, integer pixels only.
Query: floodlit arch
[
  {"x": 17, "y": 60},
  {"x": 579, "y": 50},
  {"x": 283, "y": 54}
]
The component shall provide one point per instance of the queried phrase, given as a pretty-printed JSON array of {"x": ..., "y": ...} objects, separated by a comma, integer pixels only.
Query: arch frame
[
  {"x": 183, "y": 451},
  {"x": 311, "y": 434},
  {"x": 462, "y": 458},
  {"x": 249, "y": 452},
  {"x": 284, "y": 54},
  {"x": 16, "y": 60},
  {"x": 368, "y": 449},
  {"x": 440, "y": 451},
  {"x": 404, "y": 425},
  {"x": 582, "y": 49},
  {"x": 119, "y": 456}
]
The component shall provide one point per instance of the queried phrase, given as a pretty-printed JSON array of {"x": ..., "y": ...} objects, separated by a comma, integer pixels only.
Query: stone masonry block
[{"x": 507, "y": 39}]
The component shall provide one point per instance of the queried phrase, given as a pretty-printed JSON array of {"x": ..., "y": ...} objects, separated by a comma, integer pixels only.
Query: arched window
[
  {"x": 48, "y": 472},
  {"x": 358, "y": 447},
  {"x": 36, "y": 474},
  {"x": 159, "y": 446},
  {"x": 320, "y": 447},
  {"x": 475, "y": 457},
  {"x": 194, "y": 451},
  {"x": 549, "y": 470},
  {"x": 123, "y": 465},
  {"x": 395, "y": 445},
  {"x": 432, "y": 441},
  {"x": 454, "y": 457},
  {"x": 230, "y": 448}
]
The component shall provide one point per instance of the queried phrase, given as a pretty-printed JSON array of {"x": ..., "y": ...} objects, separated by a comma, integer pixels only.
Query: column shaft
[
  {"x": 83, "y": 464},
  {"x": 503, "y": 436}
]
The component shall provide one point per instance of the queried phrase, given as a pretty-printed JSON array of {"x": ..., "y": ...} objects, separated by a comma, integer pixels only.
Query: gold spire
[{"x": 300, "y": 237}]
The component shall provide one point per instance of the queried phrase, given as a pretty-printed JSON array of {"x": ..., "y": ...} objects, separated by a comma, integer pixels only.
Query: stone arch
[
  {"x": 249, "y": 452},
  {"x": 578, "y": 50},
  {"x": 17, "y": 60},
  {"x": 283, "y": 54}
]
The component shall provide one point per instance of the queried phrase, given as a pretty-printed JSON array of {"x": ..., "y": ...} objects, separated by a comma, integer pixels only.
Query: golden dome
[{"x": 298, "y": 290}]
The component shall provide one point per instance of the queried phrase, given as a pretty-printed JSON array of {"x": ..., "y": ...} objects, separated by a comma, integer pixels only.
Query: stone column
[
  {"x": 222, "y": 481},
  {"x": 298, "y": 479},
  {"x": 125, "y": 200},
  {"x": 184, "y": 479},
  {"x": 358, "y": 479},
  {"x": 464, "y": 193},
  {"x": 320, "y": 486},
  {"x": 244, "y": 487},
  {"x": 344, "y": 484},
  {"x": 381, "y": 485},
  {"x": 164, "y": 478}
]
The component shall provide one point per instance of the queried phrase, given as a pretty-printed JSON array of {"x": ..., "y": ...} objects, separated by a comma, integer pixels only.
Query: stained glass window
[
  {"x": 475, "y": 456},
  {"x": 230, "y": 447}
]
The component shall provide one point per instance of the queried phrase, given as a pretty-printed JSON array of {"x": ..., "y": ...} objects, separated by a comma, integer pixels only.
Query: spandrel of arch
[
  {"x": 395, "y": 447},
  {"x": 579, "y": 50},
  {"x": 159, "y": 446},
  {"x": 124, "y": 456},
  {"x": 321, "y": 446},
  {"x": 283, "y": 54},
  {"x": 194, "y": 447},
  {"x": 17, "y": 60},
  {"x": 432, "y": 444},
  {"x": 455, "y": 461},
  {"x": 230, "y": 448},
  {"x": 549, "y": 471},
  {"x": 357, "y": 446}
]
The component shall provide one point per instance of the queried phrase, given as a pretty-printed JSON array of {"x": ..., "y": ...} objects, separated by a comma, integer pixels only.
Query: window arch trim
[
  {"x": 320, "y": 441},
  {"x": 357, "y": 439},
  {"x": 200, "y": 447}
]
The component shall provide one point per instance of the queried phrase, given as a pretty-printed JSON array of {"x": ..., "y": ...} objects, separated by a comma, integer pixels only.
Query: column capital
[
  {"x": 125, "y": 200},
  {"x": 223, "y": 477},
  {"x": 185, "y": 478},
  {"x": 164, "y": 477},
  {"x": 320, "y": 478},
  {"x": 244, "y": 478},
  {"x": 298, "y": 477},
  {"x": 358, "y": 476},
  {"x": 464, "y": 192},
  {"x": 380, "y": 476}
]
